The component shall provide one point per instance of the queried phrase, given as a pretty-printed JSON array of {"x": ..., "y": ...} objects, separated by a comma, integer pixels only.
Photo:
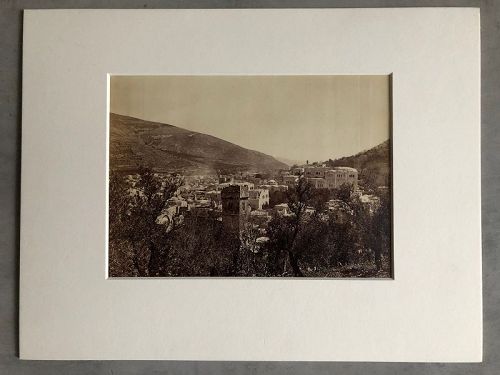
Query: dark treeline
[{"x": 311, "y": 240}]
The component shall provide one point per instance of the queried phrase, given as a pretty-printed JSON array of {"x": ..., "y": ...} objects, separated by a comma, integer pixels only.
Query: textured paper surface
[{"x": 431, "y": 311}]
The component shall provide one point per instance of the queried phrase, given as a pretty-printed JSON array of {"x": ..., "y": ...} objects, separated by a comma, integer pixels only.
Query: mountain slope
[
  {"x": 374, "y": 164},
  {"x": 289, "y": 162},
  {"x": 167, "y": 148}
]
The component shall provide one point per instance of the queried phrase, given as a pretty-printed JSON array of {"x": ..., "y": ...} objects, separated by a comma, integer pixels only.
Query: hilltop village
[{"x": 241, "y": 198}]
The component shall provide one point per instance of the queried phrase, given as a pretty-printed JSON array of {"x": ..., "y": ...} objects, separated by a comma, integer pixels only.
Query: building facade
[
  {"x": 317, "y": 182},
  {"x": 315, "y": 171},
  {"x": 235, "y": 208},
  {"x": 323, "y": 177},
  {"x": 290, "y": 180},
  {"x": 339, "y": 176},
  {"x": 258, "y": 198}
]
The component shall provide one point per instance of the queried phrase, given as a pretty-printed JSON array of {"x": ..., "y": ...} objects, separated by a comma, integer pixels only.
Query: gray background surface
[{"x": 10, "y": 139}]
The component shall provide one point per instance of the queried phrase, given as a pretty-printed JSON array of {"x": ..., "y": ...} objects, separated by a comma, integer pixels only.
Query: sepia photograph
[{"x": 250, "y": 176}]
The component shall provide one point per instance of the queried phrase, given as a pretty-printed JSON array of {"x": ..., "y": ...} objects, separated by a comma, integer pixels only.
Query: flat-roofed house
[
  {"x": 315, "y": 172},
  {"x": 317, "y": 182},
  {"x": 290, "y": 180},
  {"x": 258, "y": 198},
  {"x": 339, "y": 176}
]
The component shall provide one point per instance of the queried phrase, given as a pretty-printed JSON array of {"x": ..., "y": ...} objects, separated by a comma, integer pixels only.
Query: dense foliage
[{"x": 311, "y": 240}]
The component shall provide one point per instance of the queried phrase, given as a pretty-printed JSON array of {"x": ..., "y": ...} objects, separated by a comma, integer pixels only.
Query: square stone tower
[{"x": 234, "y": 209}]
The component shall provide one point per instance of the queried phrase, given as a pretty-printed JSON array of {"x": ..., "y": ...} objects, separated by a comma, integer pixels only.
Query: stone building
[
  {"x": 290, "y": 180},
  {"x": 339, "y": 176},
  {"x": 258, "y": 198},
  {"x": 340, "y": 210},
  {"x": 323, "y": 177},
  {"x": 370, "y": 202},
  {"x": 282, "y": 209},
  {"x": 317, "y": 182},
  {"x": 274, "y": 188},
  {"x": 226, "y": 179},
  {"x": 249, "y": 185},
  {"x": 297, "y": 171},
  {"x": 235, "y": 208},
  {"x": 214, "y": 196},
  {"x": 315, "y": 171}
]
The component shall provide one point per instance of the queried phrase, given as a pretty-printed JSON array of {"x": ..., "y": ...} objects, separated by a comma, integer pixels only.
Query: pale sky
[{"x": 296, "y": 117}]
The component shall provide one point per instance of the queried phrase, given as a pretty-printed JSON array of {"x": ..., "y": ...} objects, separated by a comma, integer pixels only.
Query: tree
[
  {"x": 120, "y": 252},
  {"x": 119, "y": 202},
  {"x": 277, "y": 197},
  {"x": 341, "y": 240},
  {"x": 370, "y": 177},
  {"x": 198, "y": 247},
  {"x": 343, "y": 192},
  {"x": 133, "y": 218},
  {"x": 283, "y": 231},
  {"x": 319, "y": 198},
  {"x": 250, "y": 254},
  {"x": 380, "y": 231}
]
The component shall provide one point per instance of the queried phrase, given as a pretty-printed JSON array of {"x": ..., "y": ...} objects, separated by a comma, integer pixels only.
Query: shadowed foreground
[{"x": 308, "y": 239}]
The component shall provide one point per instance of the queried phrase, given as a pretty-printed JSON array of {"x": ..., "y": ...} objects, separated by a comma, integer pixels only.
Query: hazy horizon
[{"x": 298, "y": 118}]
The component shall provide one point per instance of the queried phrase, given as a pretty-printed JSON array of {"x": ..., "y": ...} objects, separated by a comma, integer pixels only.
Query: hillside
[
  {"x": 289, "y": 162},
  {"x": 374, "y": 164},
  {"x": 167, "y": 148}
]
